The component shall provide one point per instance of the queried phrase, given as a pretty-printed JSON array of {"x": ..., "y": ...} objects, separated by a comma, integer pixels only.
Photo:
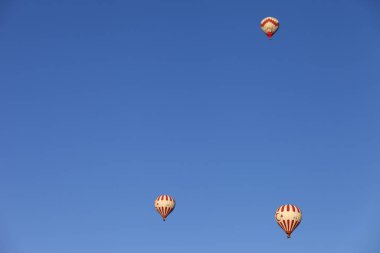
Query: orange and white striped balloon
[
  {"x": 269, "y": 25},
  {"x": 288, "y": 217},
  {"x": 164, "y": 205}
]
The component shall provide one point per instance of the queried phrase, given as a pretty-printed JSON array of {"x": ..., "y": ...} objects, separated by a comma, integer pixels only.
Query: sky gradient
[{"x": 106, "y": 104}]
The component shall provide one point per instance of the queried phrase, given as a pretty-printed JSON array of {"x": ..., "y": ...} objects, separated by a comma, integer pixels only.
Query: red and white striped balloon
[
  {"x": 288, "y": 218},
  {"x": 164, "y": 205}
]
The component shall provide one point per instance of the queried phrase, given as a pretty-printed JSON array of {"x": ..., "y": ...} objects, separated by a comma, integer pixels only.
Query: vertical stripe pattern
[
  {"x": 288, "y": 217},
  {"x": 164, "y": 205}
]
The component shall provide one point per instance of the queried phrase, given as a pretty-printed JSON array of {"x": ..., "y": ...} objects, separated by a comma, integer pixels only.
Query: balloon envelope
[
  {"x": 288, "y": 217},
  {"x": 164, "y": 205},
  {"x": 269, "y": 25}
]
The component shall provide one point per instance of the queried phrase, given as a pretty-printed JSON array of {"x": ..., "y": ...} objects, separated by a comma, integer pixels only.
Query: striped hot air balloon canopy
[
  {"x": 288, "y": 218},
  {"x": 164, "y": 205}
]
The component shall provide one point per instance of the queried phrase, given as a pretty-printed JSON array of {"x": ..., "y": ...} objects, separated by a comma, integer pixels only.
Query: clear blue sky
[{"x": 106, "y": 104}]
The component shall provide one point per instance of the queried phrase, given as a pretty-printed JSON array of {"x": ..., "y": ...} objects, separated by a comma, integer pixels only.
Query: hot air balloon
[
  {"x": 164, "y": 205},
  {"x": 269, "y": 25},
  {"x": 288, "y": 217}
]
